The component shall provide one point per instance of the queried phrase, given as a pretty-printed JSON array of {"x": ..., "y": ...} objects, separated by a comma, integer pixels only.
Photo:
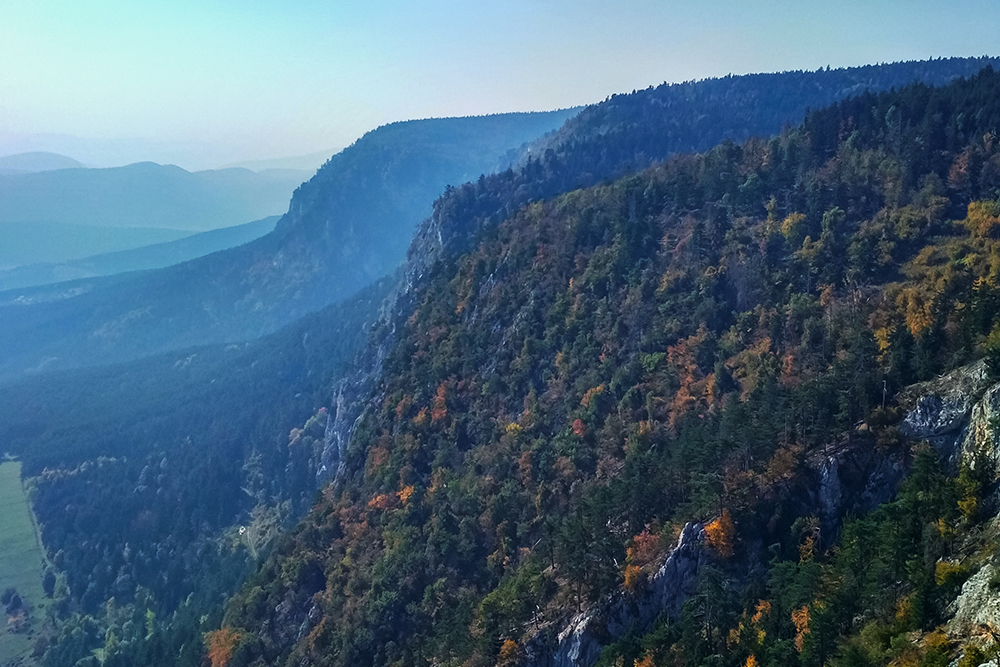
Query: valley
[{"x": 22, "y": 567}]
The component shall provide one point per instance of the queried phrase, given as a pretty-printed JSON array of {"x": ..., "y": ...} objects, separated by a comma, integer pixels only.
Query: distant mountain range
[
  {"x": 36, "y": 161},
  {"x": 147, "y": 195},
  {"x": 142, "y": 258}
]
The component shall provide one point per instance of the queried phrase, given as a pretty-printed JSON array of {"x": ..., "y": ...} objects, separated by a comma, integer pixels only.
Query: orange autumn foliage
[
  {"x": 440, "y": 409},
  {"x": 405, "y": 493},
  {"x": 647, "y": 661},
  {"x": 221, "y": 644},
  {"x": 383, "y": 501},
  {"x": 721, "y": 534},
  {"x": 800, "y": 617}
]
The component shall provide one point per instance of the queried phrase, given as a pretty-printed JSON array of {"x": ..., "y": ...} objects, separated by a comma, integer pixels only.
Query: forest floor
[{"x": 22, "y": 564}]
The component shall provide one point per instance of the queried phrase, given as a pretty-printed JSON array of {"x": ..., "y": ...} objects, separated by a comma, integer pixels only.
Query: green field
[{"x": 22, "y": 563}]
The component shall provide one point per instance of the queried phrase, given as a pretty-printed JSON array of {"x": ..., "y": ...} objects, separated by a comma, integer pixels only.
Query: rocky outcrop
[
  {"x": 940, "y": 410},
  {"x": 580, "y": 642},
  {"x": 978, "y": 437},
  {"x": 978, "y": 604},
  {"x": 852, "y": 479}
]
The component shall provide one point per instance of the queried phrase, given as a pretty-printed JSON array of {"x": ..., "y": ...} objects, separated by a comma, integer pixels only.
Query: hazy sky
[{"x": 204, "y": 82}]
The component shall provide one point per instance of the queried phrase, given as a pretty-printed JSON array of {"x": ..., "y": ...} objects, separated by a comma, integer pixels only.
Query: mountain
[
  {"x": 38, "y": 242},
  {"x": 351, "y": 223},
  {"x": 634, "y": 422},
  {"x": 146, "y": 195},
  {"x": 142, "y": 258},
  {"x": 346, "y": 227},
  {"x": 36, "y": 161},
  {"x": 557, "y": 389}
]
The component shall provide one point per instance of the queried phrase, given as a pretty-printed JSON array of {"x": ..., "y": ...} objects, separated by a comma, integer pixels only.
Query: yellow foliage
[
  {"x": 936, "y": 640},
  {"x": 508, "y": 653},
  {"x": 751, "y": 661},
  {"x": 983, "y": 219},
  {"x": 405, "y": 493},
  {"x": 904, "y": 610},
  {"x": 793, "y": 229},
  {"x": 513, "y": 428},
  {"x": 720, "y": 534},
  {"x": 807, "y": 549},
  {"x": 632, "y": 577},
  {"x": 591, "y": 393},
  {"x": 946, "y": 572}
]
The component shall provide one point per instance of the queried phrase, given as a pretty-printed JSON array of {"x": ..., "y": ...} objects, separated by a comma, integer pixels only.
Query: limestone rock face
[
  {"x": 580, "y": 642},
  {"x": 941, "y": 409},
  {"x": 978, "y": 604},
  {"x": 978, "y": 436}
]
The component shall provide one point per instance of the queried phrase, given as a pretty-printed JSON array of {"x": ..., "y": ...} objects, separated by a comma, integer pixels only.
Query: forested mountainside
[
  {"x": 629, "y": 132},
  {"x": 345, "y": 228},
  {"x": 704, "y": 343},
  {"x": 229, "y": 453},
  {"x": 157, "y": 481},
  {"x": 352, "y": 222}
]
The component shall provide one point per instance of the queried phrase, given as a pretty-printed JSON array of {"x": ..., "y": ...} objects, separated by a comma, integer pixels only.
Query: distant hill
[
  {"x": 146, "y": 194},
  {"x": 349, "y": 225},
  {"x": 310, "y": 162},
  {"x": 47, "y": 242},
  {"x": 142, "y": 258},
  {"x": 36, "y": 161}
]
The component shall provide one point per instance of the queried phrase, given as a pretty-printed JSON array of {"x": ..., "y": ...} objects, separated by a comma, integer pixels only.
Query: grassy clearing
[{"x": 22, "y": 563}]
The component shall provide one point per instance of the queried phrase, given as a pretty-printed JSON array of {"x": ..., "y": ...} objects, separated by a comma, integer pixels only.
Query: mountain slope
[
  {"x": 346, "y": 227},
  {"x": 351, "y": 222},
  {"x": 146, "y": 257},
  {"x": 604, "y": 367}
]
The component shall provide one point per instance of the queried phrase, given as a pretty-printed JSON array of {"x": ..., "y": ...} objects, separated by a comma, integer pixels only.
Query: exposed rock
[
  {"x": 579, "y": 644},
  {"x": 940, "y": 409},
  {"x": 978, "y": 435},
  {"x": 978, "y": 604}
]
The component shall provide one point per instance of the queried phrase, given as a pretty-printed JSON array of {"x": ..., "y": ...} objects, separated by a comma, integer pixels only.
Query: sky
[{"x": 202, "y": 83}]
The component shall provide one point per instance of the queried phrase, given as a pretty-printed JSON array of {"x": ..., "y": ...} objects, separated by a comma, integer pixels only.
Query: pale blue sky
[{"x": 225, "y": 80}]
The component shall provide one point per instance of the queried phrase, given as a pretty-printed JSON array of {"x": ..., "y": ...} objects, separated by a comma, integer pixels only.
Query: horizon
[{"x": 207, "y": 86}]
